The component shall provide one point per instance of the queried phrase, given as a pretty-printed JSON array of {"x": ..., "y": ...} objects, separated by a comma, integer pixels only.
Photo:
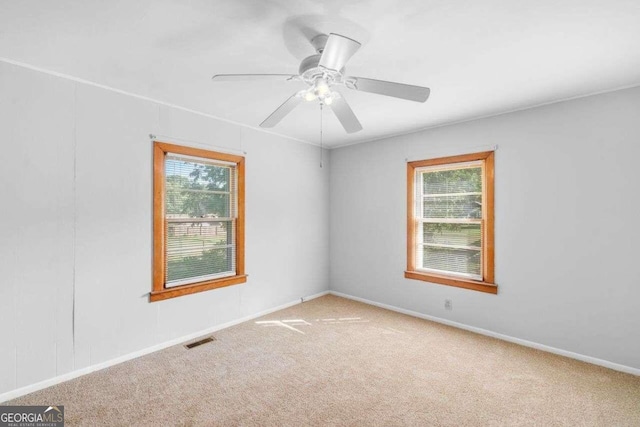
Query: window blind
[
  {"x": 449, "y": 215},
  {"x": 200, "y": 219}
]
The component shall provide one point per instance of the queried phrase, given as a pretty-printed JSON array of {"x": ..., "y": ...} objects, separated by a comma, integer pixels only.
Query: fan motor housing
[
  {"x": 310, "y": 71},
  {"x": 309, "y": 64}
]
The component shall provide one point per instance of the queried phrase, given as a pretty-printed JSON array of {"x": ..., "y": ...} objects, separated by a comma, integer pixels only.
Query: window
[
  {"x": 450, "y": 221},
  {"x": 198, "y": 222}
]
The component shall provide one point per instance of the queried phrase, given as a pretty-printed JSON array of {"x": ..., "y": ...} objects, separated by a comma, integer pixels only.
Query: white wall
[
  {"x": 567, "y": 230},
  {"x": 76, "y": 218}
]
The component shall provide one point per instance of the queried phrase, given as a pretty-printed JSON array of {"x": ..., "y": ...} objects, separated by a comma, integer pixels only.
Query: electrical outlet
[{"x": 448, "y": 305}]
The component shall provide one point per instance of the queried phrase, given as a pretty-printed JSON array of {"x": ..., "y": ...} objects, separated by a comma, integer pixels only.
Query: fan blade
[
  {"x": 337, "y": 51},
  {"x": 286, "y": 107},
  {"x": 397, "y": 90},
  {"x": 247, "y": 77},
  {"x": 344, "y": 113}
]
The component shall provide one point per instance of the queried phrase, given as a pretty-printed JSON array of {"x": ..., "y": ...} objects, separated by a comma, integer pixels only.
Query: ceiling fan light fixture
[{"x": 310, "y": 96}]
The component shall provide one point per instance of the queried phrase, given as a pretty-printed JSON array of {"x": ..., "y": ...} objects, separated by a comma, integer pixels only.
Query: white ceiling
[{"x": 478, "y": 57}]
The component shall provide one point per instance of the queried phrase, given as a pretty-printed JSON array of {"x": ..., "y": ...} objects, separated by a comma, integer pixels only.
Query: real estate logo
[{"x": 31, "y": 416}]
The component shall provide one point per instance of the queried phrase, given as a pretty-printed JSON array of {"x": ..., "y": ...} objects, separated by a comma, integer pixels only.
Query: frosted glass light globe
[{"x": 321, "y": 87}]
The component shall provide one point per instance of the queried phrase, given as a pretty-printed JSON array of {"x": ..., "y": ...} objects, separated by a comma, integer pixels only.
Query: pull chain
[{"x": 321, "y": 134}]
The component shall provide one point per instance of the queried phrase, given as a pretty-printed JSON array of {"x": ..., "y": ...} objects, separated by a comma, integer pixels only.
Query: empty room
[{"x": 320, "y": 213}]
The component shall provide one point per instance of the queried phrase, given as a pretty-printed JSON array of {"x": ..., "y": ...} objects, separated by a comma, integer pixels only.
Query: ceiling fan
[{"x": 324, "y": 71}]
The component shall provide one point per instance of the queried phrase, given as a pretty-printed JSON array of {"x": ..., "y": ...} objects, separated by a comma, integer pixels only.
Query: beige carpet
[{"x": 336, "y": 362}]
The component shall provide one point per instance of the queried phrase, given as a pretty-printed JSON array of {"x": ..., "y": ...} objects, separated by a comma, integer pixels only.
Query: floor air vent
[{"x": 200, "y": 342}]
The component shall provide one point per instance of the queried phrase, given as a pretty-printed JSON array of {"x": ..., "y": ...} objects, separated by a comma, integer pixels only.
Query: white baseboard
[
  {"x": 537, "y": 346},
  {"x": 99, "y": 366}
]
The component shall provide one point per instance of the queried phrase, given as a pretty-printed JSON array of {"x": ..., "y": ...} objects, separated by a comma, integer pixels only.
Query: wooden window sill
[
  {"x": 196, "y": 287},
  {"x": 458, "y": 282}
]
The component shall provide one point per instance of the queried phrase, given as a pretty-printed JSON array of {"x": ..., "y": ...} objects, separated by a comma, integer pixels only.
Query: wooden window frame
[
  {"x": 488, "y": 251},
  {"x": 160, "y": 291}
]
